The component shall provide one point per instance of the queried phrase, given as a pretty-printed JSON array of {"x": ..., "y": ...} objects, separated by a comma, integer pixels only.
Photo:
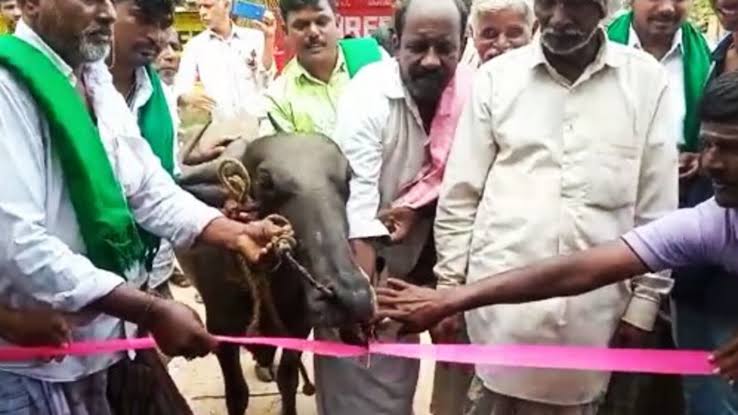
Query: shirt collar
[
  {"x": 24, "y": 32},
  {"x": 302, "y": 75},
  {"x": 142, "y": 90},
  {"x": 676, "y": 44},
  {"x": 606, "y": 56},
  {"x": 235, "y": 33}
]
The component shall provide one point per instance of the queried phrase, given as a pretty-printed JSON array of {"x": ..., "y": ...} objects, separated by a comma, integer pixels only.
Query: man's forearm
[
  {"x": 126, "y": 303},
  {"x": 555, "y": 277},
  {"x": 221, "y": 232},
  {"x": 268, "y": 58}
]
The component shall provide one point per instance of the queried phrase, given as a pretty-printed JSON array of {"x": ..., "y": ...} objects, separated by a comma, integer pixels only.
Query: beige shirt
[
  {"x": 540, "y": 168},
  {"x": 380, "y": 131}
]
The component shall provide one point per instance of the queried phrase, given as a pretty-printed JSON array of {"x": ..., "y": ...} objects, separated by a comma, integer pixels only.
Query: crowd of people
[{"x": 482, "y": 136}]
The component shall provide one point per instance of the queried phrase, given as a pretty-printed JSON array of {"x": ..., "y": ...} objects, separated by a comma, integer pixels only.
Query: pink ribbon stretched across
[{"x": 681, "y": 362}]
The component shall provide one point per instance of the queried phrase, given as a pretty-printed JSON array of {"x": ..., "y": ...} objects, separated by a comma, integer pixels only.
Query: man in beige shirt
[{"x": 567, "y": 143}]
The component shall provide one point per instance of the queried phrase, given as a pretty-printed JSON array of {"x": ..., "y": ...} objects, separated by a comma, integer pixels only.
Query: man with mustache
[
  {"x": 396, "y": 141},
  {"x": 9, "y": 15},
  {"x": 702, "y": 235},
  {"x": 83, "y": 205},
  {"x": 705, "y": 310},
  {"x": 596, "y": 158},
  {"x": 233, "y": 65},
  {"x": 303, "y": 99},
  {"x": 496, "y": 27},
  {"x": 140, "y": 31}
]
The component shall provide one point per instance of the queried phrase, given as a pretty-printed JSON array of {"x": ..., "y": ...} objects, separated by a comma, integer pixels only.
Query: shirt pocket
[{"x": 612, "y": 181}]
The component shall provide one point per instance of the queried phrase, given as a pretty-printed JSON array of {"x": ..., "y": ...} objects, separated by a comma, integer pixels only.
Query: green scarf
[
  {"x": 155, "y": 122},
  {"x": 359, "y": 52},
  {"x": 697, "y": 59},
  {"x": 110, "y": 234}
]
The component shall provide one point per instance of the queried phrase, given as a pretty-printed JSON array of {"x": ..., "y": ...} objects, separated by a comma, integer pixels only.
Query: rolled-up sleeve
[
  {"x": 657, "y": 196},
  {"x": 359, "y": 135},
  {"x": 472, "y": 155},
  {"x": 33, "y": 261}
]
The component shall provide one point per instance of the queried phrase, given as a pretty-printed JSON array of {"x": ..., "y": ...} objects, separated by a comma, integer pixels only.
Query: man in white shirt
[
  {"x": 566, "y": 143},
  {"x": 231, "y": 66},
  {"x": 84, "y": 252},
  {"x": 140, "y": 30},
  {"x": 397, "y": 144}
]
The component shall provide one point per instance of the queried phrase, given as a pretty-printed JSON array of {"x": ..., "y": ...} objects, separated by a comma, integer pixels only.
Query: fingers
[
  {"x": 726, "y": 360},
  {"x": 398, "y": 284}
]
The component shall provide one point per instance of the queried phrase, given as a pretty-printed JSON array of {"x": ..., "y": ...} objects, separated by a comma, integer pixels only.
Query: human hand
[
  {"x": 36, "y": 328},
  {"x": 178, "y": 330},
  {"x": 255, "y": 239},
  {"x": 628, "y": 336},
  {"x": 399, "y": 221},
  {"x": 268, "y": 25},
  {"x": 198, "y": 100},
  {"x": 689, "y": 165},
  {"x": 725, "y": 360},
  {"x": 200, "y": 154},
  {"x": 448, "y": 330},
  {"x": 418, "y": 308}
]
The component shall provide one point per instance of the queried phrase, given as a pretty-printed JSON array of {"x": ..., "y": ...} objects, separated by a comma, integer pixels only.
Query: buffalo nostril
[{"x": 358, "y": 302}]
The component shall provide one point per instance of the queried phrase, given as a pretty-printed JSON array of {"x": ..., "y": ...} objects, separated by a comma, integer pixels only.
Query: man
[
  {"x": 397, "y": 145},
  {"x": 83, "y": 204},
  {"x": 661, "y": 29},
  {"x": 233, "y": 64},
  {"x": 702, "y": 235},
  {"x": 593, "y": 170},
  {"x": 304, "y": 97},
  {"x": 9, "y": 14},
  {"x": 167, "y": 63},
  {"x": 496, "y": 27},
  {"x": 139, "y": 32},
  {"x": 705, "y": 313}
]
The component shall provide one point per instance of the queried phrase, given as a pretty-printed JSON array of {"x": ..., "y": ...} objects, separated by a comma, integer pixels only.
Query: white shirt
[
  {"x": 673, "y": 62},
  {"x": 541, "y": 168},
  {"x": 384, "y": 144},
  {"x": 222, "y": 67},
  {"x": 42, "y": 262},
  {"x": 163, "y": 264}
]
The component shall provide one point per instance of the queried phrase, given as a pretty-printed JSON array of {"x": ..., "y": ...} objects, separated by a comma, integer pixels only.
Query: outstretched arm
[{"x": 421, "y": 308}]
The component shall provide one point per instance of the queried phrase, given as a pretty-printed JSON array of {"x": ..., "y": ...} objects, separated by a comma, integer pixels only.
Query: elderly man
[
  {"x": 226, "y": 68},
  {"x": 397, "y": 146},
  {"x": 699, "y": 236},
  {"x": 496, "y": 27},
  {"x": 9, "y": 15},
  {"x": 599, "y": 158},
  {"x": 83, "y": 205}
]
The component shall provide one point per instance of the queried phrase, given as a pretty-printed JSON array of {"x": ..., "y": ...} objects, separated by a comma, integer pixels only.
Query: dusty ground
[{"x": 201, "y": 383}]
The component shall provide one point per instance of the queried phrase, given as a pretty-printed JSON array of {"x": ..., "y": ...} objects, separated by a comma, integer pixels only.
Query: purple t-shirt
[{"x": 704, "y": 235}]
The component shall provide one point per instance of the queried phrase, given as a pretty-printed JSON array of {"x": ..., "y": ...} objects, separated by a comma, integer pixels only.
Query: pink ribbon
[{"x": 680, "y": 362}]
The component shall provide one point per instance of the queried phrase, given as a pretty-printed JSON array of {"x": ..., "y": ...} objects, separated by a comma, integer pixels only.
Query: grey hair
[{"x": 480, "y": 7}]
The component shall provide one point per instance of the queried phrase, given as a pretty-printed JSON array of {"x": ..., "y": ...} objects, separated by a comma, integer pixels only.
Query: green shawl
[
  {"x": 112, "y": 238},
  {"x": 697, "y": 61},
  {"x": 156, "y": 125},
  {"x": 359, "y": 52}
]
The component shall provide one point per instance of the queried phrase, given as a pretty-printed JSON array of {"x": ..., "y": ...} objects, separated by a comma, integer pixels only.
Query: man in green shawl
[
  {"x": 140, "y": 32},
  {"x": 83, "y": 204}
]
